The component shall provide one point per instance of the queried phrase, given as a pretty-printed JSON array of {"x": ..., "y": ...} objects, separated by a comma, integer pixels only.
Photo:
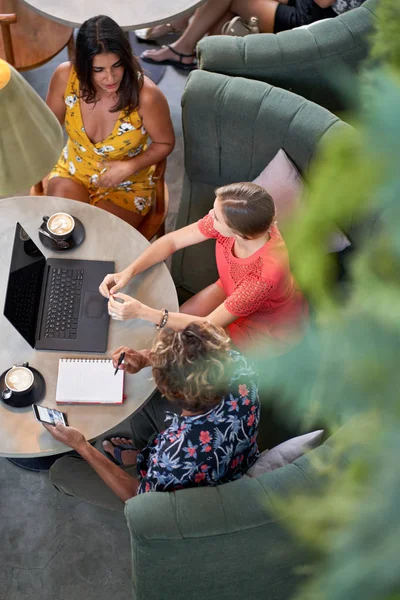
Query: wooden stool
[{"x": 28, "y": 40}]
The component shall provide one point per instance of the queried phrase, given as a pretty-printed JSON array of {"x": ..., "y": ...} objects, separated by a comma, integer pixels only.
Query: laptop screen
[{"x": 24, "y": 285}]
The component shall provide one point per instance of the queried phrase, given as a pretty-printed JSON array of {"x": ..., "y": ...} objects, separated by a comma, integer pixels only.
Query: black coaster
[
  {"x": 24, "y": 400},
  {"x": 76, "y": 239}
]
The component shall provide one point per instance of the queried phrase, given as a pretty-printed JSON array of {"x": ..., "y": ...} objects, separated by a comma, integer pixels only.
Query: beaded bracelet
[{"x": 164, "y": 319}]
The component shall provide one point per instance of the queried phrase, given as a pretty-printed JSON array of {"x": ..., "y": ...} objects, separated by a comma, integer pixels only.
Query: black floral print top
[{"x": 209, "y": 449}]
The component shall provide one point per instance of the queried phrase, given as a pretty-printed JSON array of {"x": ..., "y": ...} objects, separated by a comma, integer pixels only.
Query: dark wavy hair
[
  {"x": 99, "y": 35},
  {"x": 192, "y": 367}
]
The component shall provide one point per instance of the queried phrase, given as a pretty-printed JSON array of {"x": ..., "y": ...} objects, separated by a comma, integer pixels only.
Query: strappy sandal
[
  {"x": 118, "y": 449},
  {"x": 147, "y": 36},
  {"x": 173, "y": 63}
]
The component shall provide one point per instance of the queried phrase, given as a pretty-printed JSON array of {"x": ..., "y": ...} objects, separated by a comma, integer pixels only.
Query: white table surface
[
  {"x": 129, "y": 14},
  {"x": 107, "y": 238}
]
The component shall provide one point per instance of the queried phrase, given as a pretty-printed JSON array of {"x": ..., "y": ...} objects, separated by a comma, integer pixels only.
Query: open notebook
[{"x": 89, "y": 381}]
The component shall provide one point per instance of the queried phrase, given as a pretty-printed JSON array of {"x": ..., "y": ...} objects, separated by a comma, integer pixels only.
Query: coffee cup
[
  {"x": 60, "y": 226},
  {"x": 19, "y": 380}
]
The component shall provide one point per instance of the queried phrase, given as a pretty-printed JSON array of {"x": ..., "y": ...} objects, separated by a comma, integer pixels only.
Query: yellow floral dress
[{"x": 80, "y": 159}]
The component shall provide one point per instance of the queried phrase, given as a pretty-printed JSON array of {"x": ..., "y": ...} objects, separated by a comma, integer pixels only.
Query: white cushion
[
  {"x": 283, "y": 182},
  {"x": 285, "y": 453}
]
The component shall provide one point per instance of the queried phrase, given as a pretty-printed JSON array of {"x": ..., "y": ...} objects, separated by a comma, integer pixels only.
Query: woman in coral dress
[{"x": 256, "y": 298}]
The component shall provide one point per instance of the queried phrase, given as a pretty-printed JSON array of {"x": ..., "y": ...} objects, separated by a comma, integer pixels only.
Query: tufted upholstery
[
  {"x": 232, "y": 128},
  {"x": 222, "y": 543},
  {"x": 318, "y": 63}
]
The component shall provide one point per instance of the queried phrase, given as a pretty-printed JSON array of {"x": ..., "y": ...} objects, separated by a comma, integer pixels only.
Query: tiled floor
[{"x": 53, "y": 547}]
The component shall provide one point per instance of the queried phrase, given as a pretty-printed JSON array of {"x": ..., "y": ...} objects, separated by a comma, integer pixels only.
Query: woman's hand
[
  {"x": 116, "y": 172},
  {"x": 67, "y": 435},
  {"x": 128, "y": 309},
  {"x": 114, "y": 282},
  {"x": 133, "y": 361}
]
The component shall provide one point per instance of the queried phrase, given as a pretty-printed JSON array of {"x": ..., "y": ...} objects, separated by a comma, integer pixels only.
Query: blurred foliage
[
  {"x": 387, "y": 37},
  {"x": 348, "y": 364}
]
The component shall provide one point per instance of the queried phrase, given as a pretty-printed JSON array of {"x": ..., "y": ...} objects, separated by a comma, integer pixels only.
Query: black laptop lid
[{"x": 24, "y": 285}]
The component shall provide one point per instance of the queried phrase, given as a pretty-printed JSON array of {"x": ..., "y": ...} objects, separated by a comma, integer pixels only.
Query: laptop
[{"x": 55, "y": 304}]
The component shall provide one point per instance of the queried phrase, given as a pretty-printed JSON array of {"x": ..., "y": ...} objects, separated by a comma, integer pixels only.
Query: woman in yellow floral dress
[{"x": 110, "y": 110}]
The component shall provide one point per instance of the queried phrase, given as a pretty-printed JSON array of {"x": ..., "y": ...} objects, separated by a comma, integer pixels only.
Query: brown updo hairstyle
[
  {"x": 100, "y": 35},
  {"x": 248, "y": 209},
  {"x": 192, "y": 367}
]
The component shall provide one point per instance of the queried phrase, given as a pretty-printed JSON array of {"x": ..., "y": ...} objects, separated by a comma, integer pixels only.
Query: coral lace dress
[{"x": 260, "y": 291}]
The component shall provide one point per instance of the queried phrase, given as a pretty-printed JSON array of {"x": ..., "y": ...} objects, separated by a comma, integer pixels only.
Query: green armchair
[
  {"x": 232, "y": 128},
  {"x": 221, "y": 543},
  {"x": 319, "y": 63}
]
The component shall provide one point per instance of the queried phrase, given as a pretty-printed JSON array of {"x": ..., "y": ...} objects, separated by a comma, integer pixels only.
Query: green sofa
[
  {"x": 319, "y": 63},
  {"x": 221, "y": 543},
  {"x": 232, "y": 129}
]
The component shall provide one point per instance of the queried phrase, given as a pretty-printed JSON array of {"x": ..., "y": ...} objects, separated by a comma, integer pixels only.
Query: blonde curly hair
[{"x": 192, "y": 367}]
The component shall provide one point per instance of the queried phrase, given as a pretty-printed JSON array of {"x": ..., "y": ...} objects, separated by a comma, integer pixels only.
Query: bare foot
[
  {"x": 165, "y": 53},
  {"x": 128, "y": 457}
]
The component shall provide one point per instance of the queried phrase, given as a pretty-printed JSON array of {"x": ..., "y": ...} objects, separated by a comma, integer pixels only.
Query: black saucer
[
  {"x": 23, "y": 400},
  {"x": 75, "y": 240}
]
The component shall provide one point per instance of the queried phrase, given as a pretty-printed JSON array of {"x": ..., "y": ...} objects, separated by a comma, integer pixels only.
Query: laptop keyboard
[{"x": 64, "y": 301}]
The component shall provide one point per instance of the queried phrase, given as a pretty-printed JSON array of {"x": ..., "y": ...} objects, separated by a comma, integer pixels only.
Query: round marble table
[
  {"x": 107, "y": 238},
  {"x": 129, "y": 15}
]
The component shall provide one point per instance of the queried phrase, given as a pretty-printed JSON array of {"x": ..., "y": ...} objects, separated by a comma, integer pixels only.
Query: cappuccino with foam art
[
  {"x": 19, "y": 379},
  {"x": 60, "y": 225}
]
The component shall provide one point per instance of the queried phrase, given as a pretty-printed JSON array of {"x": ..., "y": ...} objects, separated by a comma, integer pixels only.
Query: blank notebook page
[{"x": 89, "y": 381}]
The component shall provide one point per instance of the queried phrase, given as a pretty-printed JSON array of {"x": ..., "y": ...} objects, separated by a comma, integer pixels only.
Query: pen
[{"x": 120, "y": 361}]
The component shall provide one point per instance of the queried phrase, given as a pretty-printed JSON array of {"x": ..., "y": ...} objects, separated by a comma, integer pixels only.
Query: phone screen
[{"x": 49, "y": 415}]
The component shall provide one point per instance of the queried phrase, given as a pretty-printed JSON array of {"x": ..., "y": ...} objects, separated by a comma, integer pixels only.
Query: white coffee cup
[
  {"x": 19, "y": 380},
  {"x": 60, "y": 226}
]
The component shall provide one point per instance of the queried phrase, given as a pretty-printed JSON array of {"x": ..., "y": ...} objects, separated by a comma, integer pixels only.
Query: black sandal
[{"x": 173, "y": 63}]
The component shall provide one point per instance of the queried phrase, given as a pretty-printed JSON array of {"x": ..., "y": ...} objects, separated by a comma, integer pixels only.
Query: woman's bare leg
[
  {"x": 126, "y": 215},
  {"x": 203, "y": 303},
  {"x": 263, "y": 9},
  {"x": 62, "y": 187},
  {"x": 217, "y": 28}
]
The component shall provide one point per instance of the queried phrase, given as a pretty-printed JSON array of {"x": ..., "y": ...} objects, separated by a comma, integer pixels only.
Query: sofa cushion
[
  {"x": 283, "y": 182},
  {"x": 285, "y": 453}
]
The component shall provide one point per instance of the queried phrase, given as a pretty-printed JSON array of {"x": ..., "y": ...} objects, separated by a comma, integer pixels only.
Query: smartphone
[{"x": 49, "y": 415}]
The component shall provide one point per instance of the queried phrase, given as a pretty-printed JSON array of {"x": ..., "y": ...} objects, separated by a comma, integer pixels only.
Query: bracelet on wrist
[{"x": 164, "y": 318}]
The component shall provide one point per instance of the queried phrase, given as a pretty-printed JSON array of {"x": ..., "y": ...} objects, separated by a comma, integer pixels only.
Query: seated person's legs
[
  {"x": 62, "y": 187},
  {"x": 75, "y": 477},
  {"x": 209, "y": 17},
  {"x": 128, "y": 216}
]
